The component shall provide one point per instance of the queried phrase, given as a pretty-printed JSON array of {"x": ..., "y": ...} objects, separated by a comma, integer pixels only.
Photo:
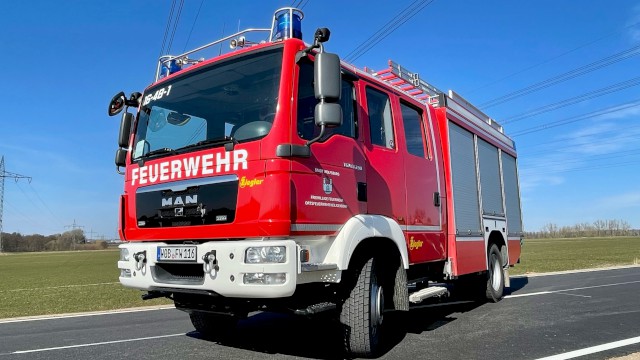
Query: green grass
[
  {"x": 547, "y": 255},
  {"x": 63, "y": 282}
]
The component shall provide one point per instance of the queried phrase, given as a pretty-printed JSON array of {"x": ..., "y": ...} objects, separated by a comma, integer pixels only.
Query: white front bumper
[{"x": 227, "y": 281}]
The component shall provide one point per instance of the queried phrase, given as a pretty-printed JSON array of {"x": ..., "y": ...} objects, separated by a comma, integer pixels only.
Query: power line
[
  {"x": 44, "y": 204},
  {"x": 392, "y": 25},
  {"x": 166, "y": 30},
  {"x": 574, "y": 100},
  {"x": 192, "y": 27},
  {"x": 175, "y": 25},
  {"x": 609, "y": 60},
  {"x": 380, "y": 30},
  {"x": 551, "y": 59},
  {"x": 587, "y": 168},
  {"x": 599, "y": 157},
  {"x": 300, "y": 5},
  {"x": 568, "y": 138},
  {"x": 577, "y": 118},
  {"x": 617, "y": 140}
]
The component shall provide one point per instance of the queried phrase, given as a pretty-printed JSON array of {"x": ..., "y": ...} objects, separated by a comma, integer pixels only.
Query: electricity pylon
[{"x": 5, "y": 174}]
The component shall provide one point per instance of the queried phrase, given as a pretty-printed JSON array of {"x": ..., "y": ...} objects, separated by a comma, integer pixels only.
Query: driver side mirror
[
  {"x": 117, "y": 104},
  {"x": 125, "y": 130}
]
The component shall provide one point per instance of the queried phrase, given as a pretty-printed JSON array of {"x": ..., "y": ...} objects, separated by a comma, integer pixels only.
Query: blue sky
[{"x": 63, "y": 61}]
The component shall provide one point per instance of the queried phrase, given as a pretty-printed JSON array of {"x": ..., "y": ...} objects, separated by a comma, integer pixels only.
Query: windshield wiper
[
  {"x": 154, "y": 153},
  {"x": 158, "y": 152},
  {"x": 227, "y": 141}
]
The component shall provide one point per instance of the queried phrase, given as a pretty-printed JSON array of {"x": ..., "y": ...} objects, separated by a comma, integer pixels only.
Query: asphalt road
[{"x": 542, "y": 316}]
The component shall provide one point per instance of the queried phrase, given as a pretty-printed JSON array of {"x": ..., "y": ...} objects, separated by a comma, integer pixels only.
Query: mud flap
[{"x": 507, "y": 280}]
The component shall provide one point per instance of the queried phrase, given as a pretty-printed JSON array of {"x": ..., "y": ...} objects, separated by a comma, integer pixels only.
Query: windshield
[{"x": 235, "y": 101}]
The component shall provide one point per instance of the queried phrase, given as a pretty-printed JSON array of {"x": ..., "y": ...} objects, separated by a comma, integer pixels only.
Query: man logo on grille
[{"x": 179, "y": 211}]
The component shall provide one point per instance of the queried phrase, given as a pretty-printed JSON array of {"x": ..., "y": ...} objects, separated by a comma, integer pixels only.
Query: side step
[{"x": 432, "y": 291}]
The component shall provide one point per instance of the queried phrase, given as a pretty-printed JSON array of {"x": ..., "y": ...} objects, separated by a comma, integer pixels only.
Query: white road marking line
[
  {"x": 574, "y": 289},
  {"x": 567, "y": 272},
  {"x": 594, "y": 349},
  {"x": 584, "y": 296},
  {"x": 59, "y": 287},
  {"x": 96, "y": 344},
  {"x": 94, "y": 313}
]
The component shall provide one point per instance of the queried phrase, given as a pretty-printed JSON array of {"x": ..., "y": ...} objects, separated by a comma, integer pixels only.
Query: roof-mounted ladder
[{"x": 409, "y": 82}]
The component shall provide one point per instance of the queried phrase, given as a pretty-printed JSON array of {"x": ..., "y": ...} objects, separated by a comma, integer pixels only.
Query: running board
[{"x": 420, "y": 295}]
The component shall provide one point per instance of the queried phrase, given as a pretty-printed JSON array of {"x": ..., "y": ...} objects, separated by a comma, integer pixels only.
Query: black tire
[
  {"x": 362, "y": 310},
  {"x": 213, "y": 326},
  {"x": 495, "y": 275}
]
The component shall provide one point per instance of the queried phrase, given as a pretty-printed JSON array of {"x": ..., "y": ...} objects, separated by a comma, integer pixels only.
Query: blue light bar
[
  {"x": 288, "y": 24},
  {"x": 169, "y": 68}
]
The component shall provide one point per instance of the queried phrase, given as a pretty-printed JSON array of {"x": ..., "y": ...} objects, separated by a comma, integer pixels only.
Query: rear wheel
[
  {"x": 212, "y": 326},
  {"x": 362, "y": 310},
  {"x": 495, "y": 275}
]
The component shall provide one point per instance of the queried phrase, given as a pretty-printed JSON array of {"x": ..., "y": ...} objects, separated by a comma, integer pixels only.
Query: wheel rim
[
  {"x": 376, "y": 306},
  {"x": 496, "y": 277}
]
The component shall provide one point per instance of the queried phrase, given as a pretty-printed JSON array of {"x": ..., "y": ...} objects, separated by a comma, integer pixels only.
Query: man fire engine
[{"x": 278, "y": 178}]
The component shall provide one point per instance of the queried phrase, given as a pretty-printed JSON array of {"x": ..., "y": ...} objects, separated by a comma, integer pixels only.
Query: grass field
[
  {"x": 546, "y": 255},
  {"x": 63, "y": 282}
]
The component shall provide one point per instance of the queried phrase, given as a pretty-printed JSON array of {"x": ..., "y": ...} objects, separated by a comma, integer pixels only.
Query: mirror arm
[
  {"x": 119, "y": 171},
  {"x": 316, "y": 139}
]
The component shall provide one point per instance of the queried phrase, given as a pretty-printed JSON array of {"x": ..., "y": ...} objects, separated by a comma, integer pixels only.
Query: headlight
[
  {"x": 124, "y": 254},
  {"x": 265, "y": 254}
]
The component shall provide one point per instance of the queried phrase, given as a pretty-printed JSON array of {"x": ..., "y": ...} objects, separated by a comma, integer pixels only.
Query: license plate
[{"x": 177, "y": 253}]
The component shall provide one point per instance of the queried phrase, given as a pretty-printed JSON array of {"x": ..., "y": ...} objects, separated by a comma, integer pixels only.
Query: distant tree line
[
  {"x": 69, "y": 240},
  {"x": 598, "y": 228}
]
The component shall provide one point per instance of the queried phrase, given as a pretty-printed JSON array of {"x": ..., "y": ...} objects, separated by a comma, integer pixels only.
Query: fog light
[
  {"x": 264, "y": 279},
  {"x": 265, "y": 254},
  {"x": 126, "y": 273},
  {"x": 124, "y": 254}
]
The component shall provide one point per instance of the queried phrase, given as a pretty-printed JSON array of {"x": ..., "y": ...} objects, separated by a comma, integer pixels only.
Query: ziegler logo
[
  {"x": 244, "y": 182},
  {"x": 415, "y": 244},
  {"x": 179, "y": 200}
]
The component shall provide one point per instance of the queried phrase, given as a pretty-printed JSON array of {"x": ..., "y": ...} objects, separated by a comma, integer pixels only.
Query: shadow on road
[
  {"x": 516, "y": 284},
  {"x": 320, "y": 337},
  {"x": 273, "y": 333}
]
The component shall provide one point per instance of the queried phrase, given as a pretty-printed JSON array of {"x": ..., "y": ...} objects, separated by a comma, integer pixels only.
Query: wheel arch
[
  {"x": 367, "y": 233},
  {"x": 497, "y": 238}
]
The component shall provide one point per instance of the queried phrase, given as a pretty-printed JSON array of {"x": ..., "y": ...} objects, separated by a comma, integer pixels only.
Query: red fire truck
[{"x": 276, "y": 177}]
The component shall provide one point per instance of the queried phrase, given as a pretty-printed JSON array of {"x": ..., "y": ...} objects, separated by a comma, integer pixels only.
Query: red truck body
[{"x": 420, "y": 181}]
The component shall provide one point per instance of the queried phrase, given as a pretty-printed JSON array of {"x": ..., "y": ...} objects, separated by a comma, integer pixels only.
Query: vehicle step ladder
[{"x": 432, "y": 291}]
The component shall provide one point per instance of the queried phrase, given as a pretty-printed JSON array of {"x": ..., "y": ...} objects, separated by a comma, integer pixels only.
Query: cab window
[
  {"x": 413, "y": 130},
  {"x": 307, "y": 101},
  {"x": 380, "y": 120}
]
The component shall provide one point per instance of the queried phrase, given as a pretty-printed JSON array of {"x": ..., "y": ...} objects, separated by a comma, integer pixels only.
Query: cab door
[
  {"x": 425, "y": 237},
  {"x": 326, "y": 187},
  {"x": 385, "y": 168}
]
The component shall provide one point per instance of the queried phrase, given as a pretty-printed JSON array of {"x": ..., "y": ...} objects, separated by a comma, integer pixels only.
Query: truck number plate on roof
[{"x": 177, "y": 253}]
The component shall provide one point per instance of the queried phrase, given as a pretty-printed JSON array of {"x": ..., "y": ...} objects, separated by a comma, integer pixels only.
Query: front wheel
[
  {"x": 495, "y": 275},
  {"x": 362, "y": 310}
]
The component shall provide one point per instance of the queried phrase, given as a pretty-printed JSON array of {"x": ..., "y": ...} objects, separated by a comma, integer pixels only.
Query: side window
[
  {"x": 380, "y": 121},
  {"x": 413, "y": 130},
  {"x": 306, "y": 126}
]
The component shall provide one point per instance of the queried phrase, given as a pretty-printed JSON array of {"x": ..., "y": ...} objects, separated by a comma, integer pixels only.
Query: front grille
[
  {"x": 183, "y": 274},
  {"x": 207, "y": 201}
]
